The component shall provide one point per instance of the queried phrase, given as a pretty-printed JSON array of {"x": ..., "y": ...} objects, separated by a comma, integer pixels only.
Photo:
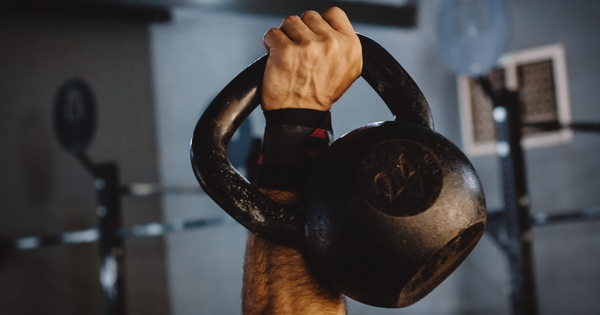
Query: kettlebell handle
[{"x": 231, "y": 191}]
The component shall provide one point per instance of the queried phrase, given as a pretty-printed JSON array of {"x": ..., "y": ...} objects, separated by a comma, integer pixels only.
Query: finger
[
  {"x": 315, "y": 22},
  {"x": 275, "y": 38},
  {"x": 338, "y": 20},
  {"x": 294, "y": 28}
]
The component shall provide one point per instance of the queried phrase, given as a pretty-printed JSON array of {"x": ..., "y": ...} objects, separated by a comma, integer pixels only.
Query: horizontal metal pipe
[
  {"x": 93, "y": 235},
  {"x": 543, "y": 219}
]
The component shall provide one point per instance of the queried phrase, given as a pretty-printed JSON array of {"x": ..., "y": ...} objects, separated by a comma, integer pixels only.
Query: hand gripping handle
[{"x": 231, "y": 191}]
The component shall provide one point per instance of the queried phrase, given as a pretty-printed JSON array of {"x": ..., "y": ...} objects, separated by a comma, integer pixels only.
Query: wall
[
  {"x": 193, "y": 58},
  {"x": 44, "y": 190}
]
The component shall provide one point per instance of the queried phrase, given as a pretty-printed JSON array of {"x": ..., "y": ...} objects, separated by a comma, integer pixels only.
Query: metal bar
[
  {"x": 153, "y": 189},
  {"x": 581, "y": 126},
  {"x": 495, "y": 221},
  {"x": 156, "y": 229},
  {"x": 517, "y": 224},
  {"x": 93, "y": 235},
  {"x": 74, "y": 237},
  {"x": 112, "y": 252},
  {"x": 576, "y": 126},
  {"x": 544, "y": 219}
]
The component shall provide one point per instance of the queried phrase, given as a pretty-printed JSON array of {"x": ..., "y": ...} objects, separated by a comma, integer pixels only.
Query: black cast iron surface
[
  {"x": 388, "y": 242},
  {"x": 239, "y": 98},
  {"x": 371, "y": 247}
]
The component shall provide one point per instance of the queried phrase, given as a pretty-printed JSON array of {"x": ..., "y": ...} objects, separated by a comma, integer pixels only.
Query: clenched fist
[{"x": 313, "y": 60}]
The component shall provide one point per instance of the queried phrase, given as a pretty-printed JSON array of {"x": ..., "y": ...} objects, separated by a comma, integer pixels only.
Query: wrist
[
  {"x": 293, "y": 140},
  {"x": 268, "y": 105}
]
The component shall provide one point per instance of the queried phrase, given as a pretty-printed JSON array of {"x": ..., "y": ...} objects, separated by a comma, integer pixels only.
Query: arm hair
[{"x": 278, "y": 279}]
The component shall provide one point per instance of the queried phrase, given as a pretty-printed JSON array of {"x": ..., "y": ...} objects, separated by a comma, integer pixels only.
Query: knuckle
[
  {"x": 329, "y": 40},
  {"x": 285, "y": 51},
  {"x": 271, "y": 31},
  {"x": 328, "y": 37},
  {"x": 333, "y": 11},
  {"x": 310, "y": 15},
  {"x": 291, "y": 19}
]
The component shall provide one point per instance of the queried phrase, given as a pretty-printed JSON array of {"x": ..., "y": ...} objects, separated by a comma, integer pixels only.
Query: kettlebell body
[
  {"x": 387, "y": 218},
  {"x": 388, "y": 211}
]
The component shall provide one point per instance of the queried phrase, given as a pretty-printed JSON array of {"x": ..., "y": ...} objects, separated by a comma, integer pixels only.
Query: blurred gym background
[{"x": 153, "y": 66}]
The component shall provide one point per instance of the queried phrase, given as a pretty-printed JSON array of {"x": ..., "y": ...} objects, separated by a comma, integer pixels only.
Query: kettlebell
[{"x": 388, "y": 212}]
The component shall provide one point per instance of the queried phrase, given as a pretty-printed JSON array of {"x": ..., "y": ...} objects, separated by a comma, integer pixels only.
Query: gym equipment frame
[{"x": 511, "y": 226}]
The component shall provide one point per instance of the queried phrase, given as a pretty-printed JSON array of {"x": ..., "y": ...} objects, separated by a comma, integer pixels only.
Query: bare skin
[
  {"x": 313, "y": 60},
  {"x": 278, "y": 279}
]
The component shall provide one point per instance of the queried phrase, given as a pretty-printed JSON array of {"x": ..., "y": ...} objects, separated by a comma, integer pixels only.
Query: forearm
[
  {"x": 312, "y": 61},
  {"x": 278, "y": 280}
]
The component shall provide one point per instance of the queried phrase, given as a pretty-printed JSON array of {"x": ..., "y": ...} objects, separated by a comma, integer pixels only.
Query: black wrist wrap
[{"x": 293, "y": 139}]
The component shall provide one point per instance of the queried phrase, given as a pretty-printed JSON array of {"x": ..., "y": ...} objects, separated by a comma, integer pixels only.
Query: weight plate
[
  {"x": 472, "y": 34},
  {"x": 74, "y": 115}
]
